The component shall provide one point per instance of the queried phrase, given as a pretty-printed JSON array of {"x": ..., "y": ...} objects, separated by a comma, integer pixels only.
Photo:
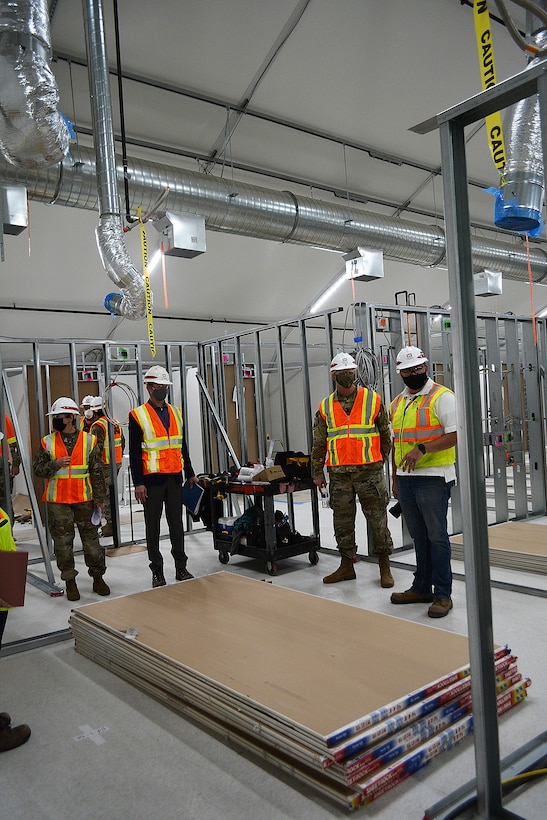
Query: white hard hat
[
  {"x": 64, "y": 405},
  {"x": 87, "y": 401},
  {"x": 409, "y": 357},
  {"x": 96, "y": 403},
  {"x": 343, "y": 361},
  {"x": 157, "y": 375}
]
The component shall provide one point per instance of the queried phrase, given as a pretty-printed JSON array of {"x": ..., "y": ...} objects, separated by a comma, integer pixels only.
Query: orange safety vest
[
  {"x": 10, "y": 433},
  {"x": 72, "y": 484},
  {"x": 352, "y": 439},
  {"x": 161, "y": 450},
  {"x": 103, "y": 423},
  {"x": 416, "y": 422}
]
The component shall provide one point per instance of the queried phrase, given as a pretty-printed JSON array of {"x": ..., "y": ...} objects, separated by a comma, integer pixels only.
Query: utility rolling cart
[{"x": 265, "y": 541}]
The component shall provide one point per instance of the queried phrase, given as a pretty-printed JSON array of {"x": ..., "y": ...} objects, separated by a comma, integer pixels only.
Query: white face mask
[{"x": 88, "y": 414}]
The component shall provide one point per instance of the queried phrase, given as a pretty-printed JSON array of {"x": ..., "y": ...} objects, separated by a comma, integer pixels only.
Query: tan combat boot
[
  {"x": 345, "y": 572},
  {"x": 99, "y": 586},
  {"x": 72, "y": 593},
  {"x": 386, "y": 578}
]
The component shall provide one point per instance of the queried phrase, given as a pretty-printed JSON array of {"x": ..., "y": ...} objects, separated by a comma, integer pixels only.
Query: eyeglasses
[{"x": 410, "y": 371}]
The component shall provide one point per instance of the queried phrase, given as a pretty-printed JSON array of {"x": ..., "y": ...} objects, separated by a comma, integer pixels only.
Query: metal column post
[{"x": 470, "y": 447}]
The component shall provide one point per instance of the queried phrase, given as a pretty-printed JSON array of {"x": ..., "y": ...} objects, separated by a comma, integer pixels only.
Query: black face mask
[
  {"x": 59, "y": 425},
  {"x": 160, "y": 394},
  {"x": 416, "y": 381}
]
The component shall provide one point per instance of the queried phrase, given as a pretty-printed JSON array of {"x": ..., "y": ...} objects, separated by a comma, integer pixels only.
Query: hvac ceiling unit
[
  {"x": 13, "y": 208},
  {"x": 487, "y": 283},
  {"x": 364, "y": 265},
  {"x": 183, "y": 235}
]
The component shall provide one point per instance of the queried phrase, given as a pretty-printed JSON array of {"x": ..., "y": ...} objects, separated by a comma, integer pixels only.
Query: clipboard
[
  {"x": 191, "y": 497},
  {"x": 13, "y": 576}
]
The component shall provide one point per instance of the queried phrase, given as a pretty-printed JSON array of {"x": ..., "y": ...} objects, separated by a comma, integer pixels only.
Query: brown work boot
[
  {"x": 72, "y": 593},
  {"x": 99, "y": 586},
  {"x": 345, "y": 572},
  {"x": 410, "y": 597},
  {"x": 440, "y": 607},
  {"x": 13, "y": 736},
  {"x": 106, "y": 531},
  {"x": 386, "y": 578}
]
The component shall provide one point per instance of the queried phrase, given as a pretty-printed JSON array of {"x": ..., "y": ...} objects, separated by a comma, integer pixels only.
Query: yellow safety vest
[
  {"x": 103, "y": 422},
  {"x": 416, "y": 422},
  {"x": 6, "y": 539}
]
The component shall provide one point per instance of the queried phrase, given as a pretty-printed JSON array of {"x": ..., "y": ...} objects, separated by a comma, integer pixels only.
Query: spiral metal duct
[
  {"x": 249, "y": 210},
  {"x": 33, "y": 133},
  {"x": 131, "y": 302}
]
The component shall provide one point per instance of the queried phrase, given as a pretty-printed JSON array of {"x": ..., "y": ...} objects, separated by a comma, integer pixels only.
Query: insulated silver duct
[
  {"x": 131, "y": 302},
  {"x": 249, "y": 210},
  {"x": 523, "y": 178},
  {"x": 32, "y": 131}
]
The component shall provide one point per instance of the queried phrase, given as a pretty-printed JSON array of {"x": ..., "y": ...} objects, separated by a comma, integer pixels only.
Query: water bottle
[{"x": 324, "y": 497}]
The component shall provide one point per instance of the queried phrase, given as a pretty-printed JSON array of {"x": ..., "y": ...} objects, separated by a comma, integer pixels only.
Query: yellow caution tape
[
  {"x": 147, "y": 288},
  {"x": 485, "y": 48}
]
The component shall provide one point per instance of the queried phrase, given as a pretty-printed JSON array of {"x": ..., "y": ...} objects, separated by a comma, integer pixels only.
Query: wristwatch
[{"x": 421, "y": 448}]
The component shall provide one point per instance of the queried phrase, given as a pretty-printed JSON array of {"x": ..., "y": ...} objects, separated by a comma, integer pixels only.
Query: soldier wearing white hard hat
[
  {"x": 352, "y": 440},
  {"x": 101, "y": 428},
  {"x": 158, "y": 456},
  {"x": 423, "y": 419},
  {"x": 70, "y": 463}
]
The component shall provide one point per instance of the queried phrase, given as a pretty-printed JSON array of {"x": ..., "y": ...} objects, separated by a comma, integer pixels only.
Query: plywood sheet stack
[
  {"x": 517, "y": 545},
  {"x": 350, "y": 702}
]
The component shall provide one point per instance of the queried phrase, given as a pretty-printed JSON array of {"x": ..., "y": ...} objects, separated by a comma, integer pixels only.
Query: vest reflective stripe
[
  {"x": 10, "y": 433},
  {"x": 103, "y": 422},
  {"x": 72, "y": 484},
  {"x": 161, "y": 451},
  {"x": 416, "y": 422},
  {"x": 352, "y": 439}
]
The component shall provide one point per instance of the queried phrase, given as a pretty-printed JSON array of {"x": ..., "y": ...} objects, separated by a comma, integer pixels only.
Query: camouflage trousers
[
  {"x": 62, "y": 519},
  {"x": 107, "y": 508},
  {"x": 368, "y": 484}
]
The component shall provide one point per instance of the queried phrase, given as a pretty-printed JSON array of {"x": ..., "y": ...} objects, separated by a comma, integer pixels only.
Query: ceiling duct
[
  {"x": 521, "y": 201},
  {"x": 280, "y": 216},
  {"x": 33, "y": 133},
  {"x": 131, "y": 302}
]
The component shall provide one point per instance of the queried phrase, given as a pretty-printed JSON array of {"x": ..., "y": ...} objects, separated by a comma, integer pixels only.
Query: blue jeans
[{"x": 424, "y": 504}]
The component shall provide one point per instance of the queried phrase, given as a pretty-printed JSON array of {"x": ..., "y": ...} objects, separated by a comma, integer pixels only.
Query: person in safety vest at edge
[
  {"x": 100, "y": 429},
  {"x": 351, "y": 436},
  {"x": 158, "y": 454},
  {"x": 423, "y": 420},
  {"x": 86, "y": 417},
  {"x": 70, "y": 463},
  {"x": 14, "y": 459}
]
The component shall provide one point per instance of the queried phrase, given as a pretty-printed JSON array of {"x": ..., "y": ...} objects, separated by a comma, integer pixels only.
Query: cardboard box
[{"x": 274, "y": 473}]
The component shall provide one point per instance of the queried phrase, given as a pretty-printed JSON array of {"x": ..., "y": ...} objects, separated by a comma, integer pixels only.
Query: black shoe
[
  {"x": 158, "y": 579},
  {"x": 183, "y": 575}
]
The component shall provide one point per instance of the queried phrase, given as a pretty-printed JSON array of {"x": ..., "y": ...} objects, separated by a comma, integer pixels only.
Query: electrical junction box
[
  {"x": 183, "y": 235},
  {"x": 382, "y": 323},
  {"x": 446, "y": 324}
]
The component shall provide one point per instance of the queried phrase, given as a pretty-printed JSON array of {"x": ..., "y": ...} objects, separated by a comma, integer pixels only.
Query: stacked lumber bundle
[
  {"x": 348, "y": 701},
  {"x": 516, "y": 545}
]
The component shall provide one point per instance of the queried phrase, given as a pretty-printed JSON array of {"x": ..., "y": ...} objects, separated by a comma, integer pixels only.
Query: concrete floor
[{"x": 100, "y": 748}]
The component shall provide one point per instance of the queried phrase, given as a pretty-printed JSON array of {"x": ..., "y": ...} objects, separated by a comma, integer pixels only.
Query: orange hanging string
[
  {"x": 531, "y": 290},
  {"x": 165, "y": 299}
]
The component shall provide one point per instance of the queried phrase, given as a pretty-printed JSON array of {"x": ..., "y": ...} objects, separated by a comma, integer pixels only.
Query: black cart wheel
[
  {"x": 313, "y": 558},
  {"x": 271, "y": 568},
  {"x": 224, "y": 557}
]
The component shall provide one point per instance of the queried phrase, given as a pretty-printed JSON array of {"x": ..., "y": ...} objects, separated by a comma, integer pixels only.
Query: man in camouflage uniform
[
  {"x": 100, "y": 428},
  {"x": 62, "y": 517},
  {"x": 14, "y": 458},
  {"x": 351, "y": 435}
]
